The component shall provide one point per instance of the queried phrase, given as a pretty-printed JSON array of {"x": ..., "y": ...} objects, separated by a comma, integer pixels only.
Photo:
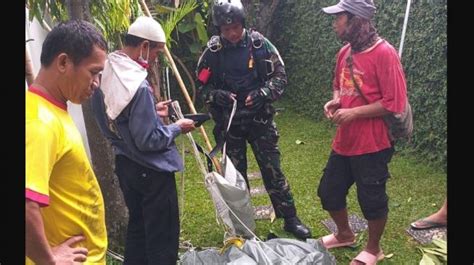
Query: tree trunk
[
  {"x": 260, "y": 15},
  {"x": 102, "y": 157},
  {"x": 116, "y": 213},
  {"x": 78, "y": 9}
]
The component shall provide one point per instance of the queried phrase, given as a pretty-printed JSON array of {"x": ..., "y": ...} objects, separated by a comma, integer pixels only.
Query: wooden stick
[
  {"x": 189, "y": 76},
  {"x": 45, "y": 25},
  {"x": 145, "y": 8}
]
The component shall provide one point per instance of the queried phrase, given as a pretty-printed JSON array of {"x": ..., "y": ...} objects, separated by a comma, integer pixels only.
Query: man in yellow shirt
[{"x": 65, "y": 222}]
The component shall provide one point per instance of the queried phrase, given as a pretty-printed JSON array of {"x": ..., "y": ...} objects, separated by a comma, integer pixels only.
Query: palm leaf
[
  {"x": 201, "y": 28},
  {"x": 162, "y": 9},
  {"x": 112, "y": 17},
  {"x": 436, "y": 253},
  {"x": 441, "y": 244},
  {"x": 39, "y": 8},
  {"x": 173, "y": 18}
]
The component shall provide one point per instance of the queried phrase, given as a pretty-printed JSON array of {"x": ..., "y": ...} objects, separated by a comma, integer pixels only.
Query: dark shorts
[{"x": 370, "y": 174}]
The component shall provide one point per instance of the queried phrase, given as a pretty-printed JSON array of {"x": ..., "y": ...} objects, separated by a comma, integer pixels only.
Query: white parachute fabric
[
  {"x": 274, "y": 251},
  {"x": 231, "y": 195},
  {"x": 232, "y": 190}
]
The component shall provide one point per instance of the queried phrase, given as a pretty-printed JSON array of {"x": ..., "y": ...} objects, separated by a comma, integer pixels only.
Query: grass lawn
[{"x": 415, "y": 190}]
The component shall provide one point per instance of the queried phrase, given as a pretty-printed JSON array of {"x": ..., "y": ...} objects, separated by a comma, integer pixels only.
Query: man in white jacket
[{"x": 146, "y": 156}]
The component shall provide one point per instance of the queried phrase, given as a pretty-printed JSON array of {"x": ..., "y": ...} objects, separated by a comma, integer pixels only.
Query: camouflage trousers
[{"x": 263, "y": 138}]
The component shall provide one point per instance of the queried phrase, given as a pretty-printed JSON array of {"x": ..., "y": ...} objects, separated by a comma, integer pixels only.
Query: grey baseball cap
[{"x": 361, "y": 8}]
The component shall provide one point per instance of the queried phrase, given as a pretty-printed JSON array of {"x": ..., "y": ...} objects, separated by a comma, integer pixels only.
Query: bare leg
[
  {"x": 441, "y": 216},
  {"x": 344, "y": 232},
  {"x": 376, "y": 228}
]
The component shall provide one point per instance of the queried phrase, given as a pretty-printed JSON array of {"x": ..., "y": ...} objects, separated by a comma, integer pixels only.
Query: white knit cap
[{"x": 147, "y": 28}]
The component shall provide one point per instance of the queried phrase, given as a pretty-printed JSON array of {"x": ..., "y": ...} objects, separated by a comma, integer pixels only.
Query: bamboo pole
[
  {"x": 188, "y": 75},
  {"x": 45, "y": 25},
  {"x": 183, "y": 90}
]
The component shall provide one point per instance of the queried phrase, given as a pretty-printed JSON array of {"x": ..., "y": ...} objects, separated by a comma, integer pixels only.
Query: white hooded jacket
[{"x": 121, "y": 79}]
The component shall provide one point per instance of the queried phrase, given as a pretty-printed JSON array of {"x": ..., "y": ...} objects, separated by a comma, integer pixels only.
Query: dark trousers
[
  {"x": 263, "y": 139},
  {"x": 370, "y": 174},
  {"x": 152, "y": 202}
]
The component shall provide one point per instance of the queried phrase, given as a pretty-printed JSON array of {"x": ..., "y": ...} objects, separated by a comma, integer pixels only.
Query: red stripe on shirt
[
  {"x": 40, "y": 93},
  {"x": 42, "y": 199}
]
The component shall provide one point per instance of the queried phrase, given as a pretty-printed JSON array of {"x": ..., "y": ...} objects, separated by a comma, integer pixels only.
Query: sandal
[
  {"x": 368, "y": 258},
  {"x": 423, "y": 224},
  {"x": 331, "y": 241}
]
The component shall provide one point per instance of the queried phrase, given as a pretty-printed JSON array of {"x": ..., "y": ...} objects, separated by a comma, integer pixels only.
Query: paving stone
[
  {"x": 264, "y": 212},
  {"x": 425, "y": 236},
  {"x": 257, "y": 191},
  {"x": 254, "y": 175},
  {"x": 356, "y": 223}
]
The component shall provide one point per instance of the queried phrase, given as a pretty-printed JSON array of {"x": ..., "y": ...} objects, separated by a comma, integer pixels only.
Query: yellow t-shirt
[{"x": 60, "y": 178}]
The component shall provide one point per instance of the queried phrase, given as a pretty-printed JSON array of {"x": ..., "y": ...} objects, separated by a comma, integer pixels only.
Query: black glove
[
  {"x": 259, "y": 97},
  {"x": 221, "y": 97}
]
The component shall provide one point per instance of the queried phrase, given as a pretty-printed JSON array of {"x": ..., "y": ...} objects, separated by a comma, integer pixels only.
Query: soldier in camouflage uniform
[{"x": 243, "y": 65}]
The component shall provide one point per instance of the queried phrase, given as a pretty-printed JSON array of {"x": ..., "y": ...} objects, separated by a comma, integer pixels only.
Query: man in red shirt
[{"x": 361, "y": 149}]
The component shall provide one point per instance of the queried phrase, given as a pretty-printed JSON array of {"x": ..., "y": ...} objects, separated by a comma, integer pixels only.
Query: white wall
[{"x": 34, "y": 30}]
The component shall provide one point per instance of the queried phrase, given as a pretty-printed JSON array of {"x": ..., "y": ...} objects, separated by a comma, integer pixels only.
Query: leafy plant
[
  {"x": 189, "y": 20},
  {"x": 435, "y": 254},
  {"x": 112, "y": 17},
  {"x": 170, "y": 20},
  {"x": 39, "y": 8}
]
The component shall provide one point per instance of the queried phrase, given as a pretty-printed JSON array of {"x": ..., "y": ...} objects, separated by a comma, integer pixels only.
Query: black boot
[{"x": 297, "y": 228}]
